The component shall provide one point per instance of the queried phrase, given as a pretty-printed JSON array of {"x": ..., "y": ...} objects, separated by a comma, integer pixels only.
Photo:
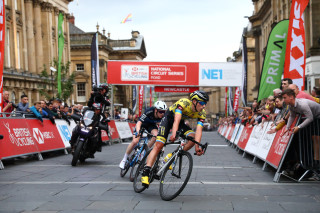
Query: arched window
[{"x": 13, "y": 97}]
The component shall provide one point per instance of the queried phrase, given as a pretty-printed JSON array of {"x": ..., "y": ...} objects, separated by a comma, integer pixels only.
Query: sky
[{"x": 173, "y": 30}]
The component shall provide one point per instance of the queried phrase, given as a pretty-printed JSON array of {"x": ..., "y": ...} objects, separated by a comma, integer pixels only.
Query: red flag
[
  {"x": 140, "y": 99},
  {"x": 295, "y": 62},
  {"x": 226, "y": 102},
  {"x": 2, "y": 36},
  {"x": 236, "y": 99}
]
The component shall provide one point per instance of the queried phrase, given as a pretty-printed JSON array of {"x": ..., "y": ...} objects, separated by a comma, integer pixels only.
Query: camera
[
  {"x": 14, "y": 105},
  {"x": 95, "y": 90}
]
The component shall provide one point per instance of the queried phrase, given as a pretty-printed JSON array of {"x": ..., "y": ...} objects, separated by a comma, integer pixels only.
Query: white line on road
[
  {"x": 178, "y": 144},
  {"x": 130, "y": 183}
]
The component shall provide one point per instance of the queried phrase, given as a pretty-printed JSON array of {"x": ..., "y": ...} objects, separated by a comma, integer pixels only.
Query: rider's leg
[
  {"x": 129, "y": 149},
  {"x": 153, "y": 139}
]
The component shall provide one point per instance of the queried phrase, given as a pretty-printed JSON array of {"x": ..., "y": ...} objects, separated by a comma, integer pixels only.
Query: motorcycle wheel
[
  {"x": 82, "y": 159},
  {"x": 76, "y": 154}
]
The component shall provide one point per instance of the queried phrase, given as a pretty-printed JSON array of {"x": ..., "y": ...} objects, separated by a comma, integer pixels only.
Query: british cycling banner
[
  {"x": 45, "y": 135},
  {"x": 2, "y": 32},
  {"x": 295, "y": 62},
  {"x": 18, "y": 139},
  {"x": 113, "y": 132},
  {"x": 245, "y": 135}
]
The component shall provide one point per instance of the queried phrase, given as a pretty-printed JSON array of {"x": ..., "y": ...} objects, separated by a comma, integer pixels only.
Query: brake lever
[{"x": 203, "y": 147}]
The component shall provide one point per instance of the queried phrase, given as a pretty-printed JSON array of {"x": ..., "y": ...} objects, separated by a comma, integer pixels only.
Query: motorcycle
[{"x": 89, "y": 127}]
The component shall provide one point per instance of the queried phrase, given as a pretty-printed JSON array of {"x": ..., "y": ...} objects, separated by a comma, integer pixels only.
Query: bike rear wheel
[
  {"x": 136, "y": 164},
  {"x": 137, "y": 185},
  {"x": 76, "y": 154},
  {"x": 173, "y": 181},
  {"x": 124, "y": 171}
]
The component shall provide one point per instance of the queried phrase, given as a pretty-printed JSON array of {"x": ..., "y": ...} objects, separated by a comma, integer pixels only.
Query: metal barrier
[{"x": 309, "y": 149}]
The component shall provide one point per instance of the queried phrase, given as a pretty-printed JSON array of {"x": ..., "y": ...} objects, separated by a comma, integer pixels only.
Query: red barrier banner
[
  {"x": 154, "y": 73},
  {"x": 230, "y": 132},
  {"x": 18, "y": 139},
  {"x": 132, "y": 127},
  {"x": 112, "y": 131},
  {"x": 245, "y": 135},
  {"x": 2, "y": 32},
  {"x": 278, "y": 146},
  {"x": 46, "y": 136},
  {"x": 175, "y": 89}
]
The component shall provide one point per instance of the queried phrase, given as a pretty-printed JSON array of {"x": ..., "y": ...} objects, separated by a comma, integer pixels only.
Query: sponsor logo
[
  {"x": 134, "y": 73},
  {"x": 65, "y": 132},
  {"x": 212, "y": 74},
  {"x": 40, "y": 136},
  {"x": 20, "y": 136}
]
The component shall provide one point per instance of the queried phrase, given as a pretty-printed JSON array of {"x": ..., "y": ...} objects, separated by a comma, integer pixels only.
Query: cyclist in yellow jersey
[{"x": 174, "y": 119}]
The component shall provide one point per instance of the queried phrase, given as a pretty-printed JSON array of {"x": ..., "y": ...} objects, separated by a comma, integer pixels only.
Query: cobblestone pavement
[{"x": 221, "y": 181}]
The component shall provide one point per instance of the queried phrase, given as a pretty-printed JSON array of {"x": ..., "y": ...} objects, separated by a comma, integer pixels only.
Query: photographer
[{"x": 8, "y": 107}]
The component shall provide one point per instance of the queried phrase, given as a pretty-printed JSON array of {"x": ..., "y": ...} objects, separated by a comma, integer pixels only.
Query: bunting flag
[
  {"x": 134, "y": 99},
  {"x": 230, "y": 98},
  {"x": 274, "y": 60},
  {"x": 244, "y": 71},
  {"x": 94, "y": 62},
  {"x": 150, "y": 96},
  {"x": 295, "y": 61},
  {"x": 60, "y": 50},
  {"x": 126, "y": 19},
  {"x": 226, "y": 102},
  {"x": 236, "y": 99},
  {"x": 2, "y": 36},
  {"x": 141, "y": 93}
]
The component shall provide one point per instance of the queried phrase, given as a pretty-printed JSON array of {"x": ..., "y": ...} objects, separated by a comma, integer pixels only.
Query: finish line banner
[{"x": 174, "y": 73}]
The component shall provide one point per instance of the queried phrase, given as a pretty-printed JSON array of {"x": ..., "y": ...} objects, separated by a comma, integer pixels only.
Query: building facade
[
  {"x": 109, "y": 49},
  {"x": 31, "y": 45},
  {"x": 266, "y": 14}
]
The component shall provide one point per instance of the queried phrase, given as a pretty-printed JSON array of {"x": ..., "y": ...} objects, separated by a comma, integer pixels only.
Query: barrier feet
[
  {"x": 254, "y": 161},
  {"x": 66, "y": 151},
  {"x": 40, "y": 156},
  {"x": 1, "y": 165},
  {"x": 264, "y": 166}
]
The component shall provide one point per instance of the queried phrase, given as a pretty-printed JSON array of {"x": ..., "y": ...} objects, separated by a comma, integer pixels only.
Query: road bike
[
  {"x": 173, "y": 174},
  {"x": 139, "y": 152}
]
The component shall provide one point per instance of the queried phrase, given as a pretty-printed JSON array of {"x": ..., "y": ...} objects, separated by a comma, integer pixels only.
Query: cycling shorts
[{"x": 166, "y": 125}]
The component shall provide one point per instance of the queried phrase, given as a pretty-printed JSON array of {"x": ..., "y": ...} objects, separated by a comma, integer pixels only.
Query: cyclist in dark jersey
[
  {"x": 148, "y": 121},
  {"x": 174, "y": 119}
]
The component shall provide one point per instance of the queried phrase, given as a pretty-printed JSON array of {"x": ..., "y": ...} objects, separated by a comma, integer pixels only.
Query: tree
[{"x": 67, "y": 81}]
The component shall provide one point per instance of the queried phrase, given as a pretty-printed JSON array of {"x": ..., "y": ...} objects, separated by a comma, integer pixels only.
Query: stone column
[
  {"x": 46, "y": 21},
  {"x": 55, "y": 38},
  {"x": 24, "y": 38},
  {"x": 38, "y": 36},
  {"x": 30, "y": 36}
]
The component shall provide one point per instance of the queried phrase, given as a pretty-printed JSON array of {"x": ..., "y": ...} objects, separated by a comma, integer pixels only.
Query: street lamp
[{"x": 52, "y": 69}]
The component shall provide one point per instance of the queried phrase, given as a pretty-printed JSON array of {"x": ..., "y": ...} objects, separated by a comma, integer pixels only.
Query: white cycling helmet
[{"x": 160, "y": 105}]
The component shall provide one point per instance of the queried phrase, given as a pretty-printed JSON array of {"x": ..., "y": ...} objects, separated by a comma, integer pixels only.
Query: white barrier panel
[
  {"x": 265, "y": 143},
  {"x": 255, "y": 138},
  {"x": 228, "y": 131},
  {"x": 65, "y": 131},
  {"x": 236, "y": 140},
  {"x": 124, "y": 130},
  {"x": 236, "y": 128},
  {"x": 223, "y": 130}
]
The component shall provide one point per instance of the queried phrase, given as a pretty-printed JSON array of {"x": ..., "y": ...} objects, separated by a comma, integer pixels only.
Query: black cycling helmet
[
  {"x": 103, "y": 86},
  {"x": 199, "y": 96}
]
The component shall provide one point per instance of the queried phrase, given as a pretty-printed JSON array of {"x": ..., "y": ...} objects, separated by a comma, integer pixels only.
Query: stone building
[
  {"x": 266, "y": 14},
  {"x": 109, "y": 49},
  {"x": 31, "y": 44}
]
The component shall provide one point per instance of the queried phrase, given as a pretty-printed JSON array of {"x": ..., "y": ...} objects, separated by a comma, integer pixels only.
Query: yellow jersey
[{"x": 183, "y": 106}]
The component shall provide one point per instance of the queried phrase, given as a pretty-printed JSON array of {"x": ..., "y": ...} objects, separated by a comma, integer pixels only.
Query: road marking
[
  {"x": 115, "y": 166},
  {"x": 130, "y": 183},
  {"x": 178, "y": 144}
]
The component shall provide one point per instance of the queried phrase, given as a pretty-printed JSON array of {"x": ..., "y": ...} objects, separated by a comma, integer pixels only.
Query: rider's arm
[
  {"x": 138, "y": 126},
  {"x": 176, "y": 122}
]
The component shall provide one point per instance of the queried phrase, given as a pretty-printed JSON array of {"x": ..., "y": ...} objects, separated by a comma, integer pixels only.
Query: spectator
[
  {"x": 116, "y": 114},
  {"x": 285, "y": 83},
  {"x": 315, "y": 92},
  {"x": 300, "y": 94},
  {"x": 279, "y": 121},
  {"x": 36, "y": 110},
  {"x": 23, "y": 106},
  {"x": 64, "y": 113},
  {"x": 43, "y": 112},
  {"x": 7, "y": 106},
  {"x": 277, "y": 92},
  {"x": 50, "y": 114}
]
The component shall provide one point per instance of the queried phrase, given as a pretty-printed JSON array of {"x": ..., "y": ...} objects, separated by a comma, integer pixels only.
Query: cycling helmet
[
  {"x": 160, "y": 105},
  {"x": 199, "y": 96},
  {"x": 96, "y": 106},
  {"x": 103, "y": 86}
]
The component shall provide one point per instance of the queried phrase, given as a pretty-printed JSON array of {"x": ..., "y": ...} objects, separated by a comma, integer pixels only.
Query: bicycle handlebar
[
  {"x": 189, "y": 138},
  {"x": 142, "y": 130}
]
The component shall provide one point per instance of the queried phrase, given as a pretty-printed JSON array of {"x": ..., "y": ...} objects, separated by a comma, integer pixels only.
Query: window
[
  {"x": 16, "y": 5},
  {"x": 80, "y": 67},
  {"x": 8, "y": 48},
  {"x": 18, "y": 50},
  {"x": 81, "y": 92}
]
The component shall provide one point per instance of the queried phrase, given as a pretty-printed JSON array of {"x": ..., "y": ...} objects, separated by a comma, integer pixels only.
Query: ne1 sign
[{"x": 220, "y": 74}]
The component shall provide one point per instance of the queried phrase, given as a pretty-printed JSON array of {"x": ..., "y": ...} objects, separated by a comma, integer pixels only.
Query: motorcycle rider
[
  {"x": 147, "y": 121},
  {"x": 98, "y": 96}
]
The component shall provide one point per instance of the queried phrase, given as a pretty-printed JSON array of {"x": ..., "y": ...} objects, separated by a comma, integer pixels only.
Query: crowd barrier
[
  {"x": 270, "y": 148},
  {"x": 26, "y": 136}
]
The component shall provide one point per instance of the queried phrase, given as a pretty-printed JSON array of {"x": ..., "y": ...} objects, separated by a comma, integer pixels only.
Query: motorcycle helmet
[
  {"x": 160, "y": 105},
  {"x": 103, "y": 86}
]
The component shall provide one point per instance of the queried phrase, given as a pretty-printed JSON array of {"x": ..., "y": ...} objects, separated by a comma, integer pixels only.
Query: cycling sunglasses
[
  {"x": 161, "y": 111},
  {"x": 202, "y": 103}
]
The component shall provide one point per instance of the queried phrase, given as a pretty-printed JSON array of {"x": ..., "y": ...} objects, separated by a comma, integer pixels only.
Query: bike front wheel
[
  {"x": 137, "y": 185},
  {"x": 175, "y": 178}
]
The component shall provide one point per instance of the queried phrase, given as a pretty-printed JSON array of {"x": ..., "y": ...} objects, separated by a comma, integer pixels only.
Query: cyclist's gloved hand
[
  {"x": 199, "y": 151},
  {"x": 173, "y": 137},
  {"x": 135, "y": 134}
]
